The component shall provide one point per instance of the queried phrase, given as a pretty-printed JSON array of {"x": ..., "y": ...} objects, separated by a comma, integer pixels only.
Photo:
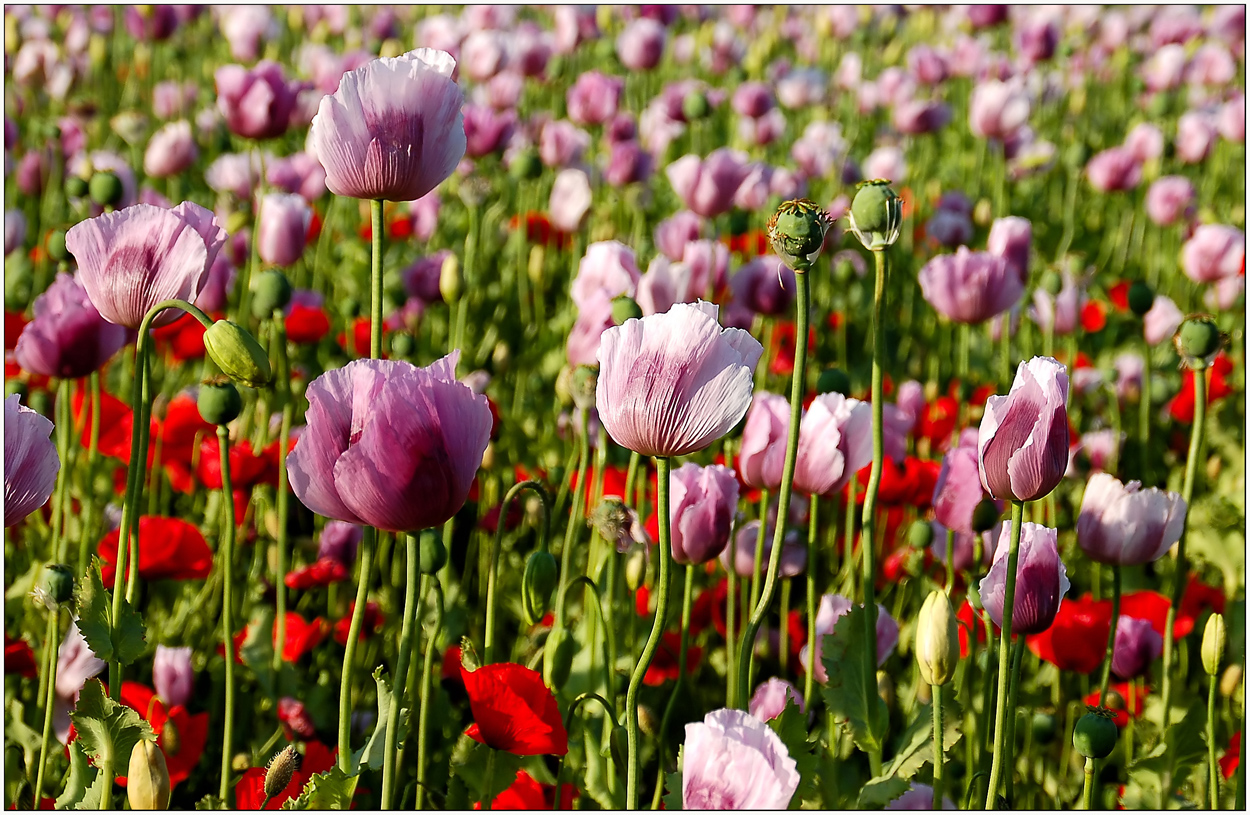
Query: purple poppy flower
[
  {"x": 707, "y": 186},
  {"x": 832, "y": 608},
  {"x": 256, "y": 103},
  {"x": 664, "y": 284},
  {"x": 607, "y": 266},
  {"x": 764, "y": 285},
  {"x": 300, "y": 173},
  {"x": 172, "y": 675},
  {"x": 740, "y": 554},
  {"x": 1057, "y": 312},
  {"x": 1113, "y": 170},
  {"x": 1137, "y": 644},
  {"x": 1010, "y": 239},
  {"x": 594, "y": 98},
  {"x": 763, "y": 777},
  {"x": 1023, "y": 446},
  {"x": 920, "y": 796},
  {"x": 1214, "y": 251},
  {"x": 67, "y": 338},
  {"x": 1144, "y": 142},
  {"x": 703, "y": 503},
  {"x": 1122, "y": 524},
  {"x": 970, "y": 287},
  {"x": 1161, "y": 322},
  {"x": 1041, "y": 579},
  {"x": 958, "y": 489},
  {"x": 75, "y": 664},
  {"x": 338, "y": 541},
  {"x": 762, "y": 455},
  {"x": 1169, "y": 198},
  {"x": 30, "y": 461},
  {"x": 170, "y": 151},
  {"x": 835, "y": 442},
  {"x": 1195, "y": 136},
  {"x": 641, "y": 45},
  {"x": 673, "y": 233},
  {"x": 570, "y": 200},
  {"x": 594, "y": 316},
  {"x": 283, "y": 230},
  {"x": 628, "y": 163},
  {"x": 771, "y": 698},
  {"x": 998, "y": 110}
]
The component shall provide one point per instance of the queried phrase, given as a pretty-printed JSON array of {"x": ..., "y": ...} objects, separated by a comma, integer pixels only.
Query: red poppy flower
[
  {"x": 538, "y": 229},
  {"x": 247, "y": 468},
  {"x": 116, "y": 423},
  {"x": 909, "y": 483},
  {"x": 180, "y": 735},
  {"x": 306, "y": 325},
  {"x": 968, "y": 619},
  {"x": 401, "y": 227},
  {"x": 169, "y": 549},
  {"x": 529, "y": 794},
  {"x": 359, "y": 345},
  {"x": 44, "y": 803},
  {"x": 295, "y": 719},
  {"x": 183, "y": 338},
  {"x": 749, "y": 244},
  {"x": 319, "y": 575},
  {"x": 1182, "y": 406},
  {"x": 14, "y": 323},
  {"x": 249, "y": 791},
  {"x": 663, "y": 667},
  {"x": 1077, "y": 639},
  {"x": 1231, "y": 759},
  {"x": 710, "y": 606},
  {"x": 301, "y": 637},
  {"x": 368, "y": 626},
  {"x": 1093, "y": 316},
  {"x": 1198, "y": 597},
  {"x": 1120, "y": 716},
  {"x": 614, "y": 478},
  {"x": 18, "y": 657},
  {"x": 937, "y": 419},
  {"x": 1118, "y": 295},
  {"x": 179, "y": 434},
  {"x": 514, "y": 711},
  {"x": 450, "y": 668},
  {"x": 490, "y": 521},
  {"x": 782, "y": 352}
]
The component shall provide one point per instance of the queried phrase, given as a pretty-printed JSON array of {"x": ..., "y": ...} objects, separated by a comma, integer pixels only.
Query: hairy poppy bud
[
  {"x": 619, "y": 747},
  {"x": 238, "y": 354},
  {"x": 449, "y": 281},
  {"x": 1095, "y": 734},
  {"x": 558, "y": 657},
  {"x": 1140, "y": 298},
  {"x": 219, "y": 402},
  {"x": 625, "y": 308},
  {"x": 1197, "y": 341},
  {"x": 271, "y": 291},
  {"x": 876, "y": 215},
  {"x": 537, "y": 584},
  {"x": 1213, "y": 638},
  {"x": 281, "y": 770},
  {"x": 431, "y": 552},
  {"x": 147, "y": 777},
  {"x": 797, "y": 232},
  {"x": 1231, "y": 680},
  {"x": 647, "y": 721},
  {"x": 56, "y": 585},
  {"x": 937, "y": 640},
  {"x": 105, "y": 189},
  {"x": 833, "y": 380}
]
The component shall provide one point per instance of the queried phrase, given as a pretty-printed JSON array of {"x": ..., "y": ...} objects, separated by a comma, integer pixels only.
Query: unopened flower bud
[
  {"x": 56, "y": 585},
  {"x": 431, "y": 552},
  {"x": 876, "y": 215},
  {"x": 238, "y": 354},
  {"x": 402, "y": 345},
  {"x": 885, "y": 688},
  {"x": 695, "y": 106},
  {"x": 558, "y": 657},
  {"x": 920, "y": 534},
  {"x": 527, "y": 165},
  {"x": 582, "y": 386},
  {"x": 1044, "y": 727},
  {"x": 281, "y": 770},
  {"x": 1231, "y": 680},
  {"x": 985, "y": 516},
  {"x": 105, "y": 189},
  {"x": 1095, "y": 734},
  {"x": 56, "y": 246},
  {"x": 1213, "y": 638},
  {"x": 625, "y": 308},
  {"x": 147, "y": 777},
  {"x": 449, "y": 282},
  {"x": 539, "y": 581},
  {"x": 833, "y": 380},
  {"x": 1140, "y": 298},
  {"x": 534, "y": 267},
  {"x": 76, "y": 187},
  {"x": 635, "y": 568},
  {"x": 241, "y": 763},
  {"x": 618, "y": 524},
  {"x": 797, "y": 232},
  {"x": 937, "y": 640},
  {"x": 647, "y": 721},
  {"x": 219, "y": 402},
  {"x": 271, "y": 291},
  {"x": 619, "y": 747},
  {"x": 1197, "y": 341}
]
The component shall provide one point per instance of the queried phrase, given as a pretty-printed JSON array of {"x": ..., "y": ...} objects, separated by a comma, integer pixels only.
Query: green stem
[
  {"x": 1087, "y": 791},
  {"x": 578, "y": 497},
  {"x": 488, "y": 647},
  {"x": 367, "y": 544},
  {"x": 375, "y": 281},
  {"x": 400, "y": 680},
  {"x": 488, "y": 778},
  {"x": 1143, "y": 413},
  {"x": 812, "y": 524},
  {"x": 950, "y": 561},
  {"x": 283, "y": 497},
  {"x": 665, "y": 555},
  {"x": 227, "y": 623},
  {"x": 686, "y": 597},
  {"x": 51, "y": 639},
  {"x": 608, "y": 708},
  {"x": 1213, "y": 766},
  {"x": 783, "y": 639},
  {"x": 1017, "y": 654},
  {"x": 1115, "y": 619},
  {"x": 787, "y": 479},
  {"x": 143, "y": 415},
  {"x": 1180, "y": 578},
  {"x": 59, "y": 508},
  {"x": 1001, "y": 748},
  {"x": 758, "y": 562},
  {"x": 430, "y": 586},
  {"x": 106, "y": 776},
  {"x": 85, "y": 531},
  {"x": 939, "y": 747}
]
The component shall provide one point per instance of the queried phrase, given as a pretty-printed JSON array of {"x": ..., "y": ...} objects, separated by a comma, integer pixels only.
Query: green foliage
[
  {"x": 107, "y": 730},
  {"x": 880, "y": 791},
  {"x": 470, "y": 762},
  {"x": 257, "y": 648},
  {"x": 332, "y": 789},
  {"x": 373, "y": 753},
  {"x": 210, "y": 802},
  {"x": 791, "y": 728},
  {"x": 851, "y": 690},
  {"x": 81, "y": 777},
  {"x": 1183, "y": 748},
  {"x": 673, "y": 797},
  {"x": 121, "y": 639}
]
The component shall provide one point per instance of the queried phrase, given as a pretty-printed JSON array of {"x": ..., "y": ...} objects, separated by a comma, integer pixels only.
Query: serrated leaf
[
  {"x": 81, "y": 776},
  {"x": 332, "y": 789},
  {"x": 107, "y": 729},
  {"x": 458, "y": 795},
  {"x": 915, "y": 747},
  {"x": 373, "y": 753},
  {"x": 880, "y": 791},
  {"x": 851, "y": 691},
  {"x": 469, "y": 763},
  {"x": 124, "y": 639},
  {"x": 129, "y": 634},
  {"x": 17, "y": 731},
  {"x": 94, "y": 795},
  {"x": 210, "y": 802},
  {"x": 673, "y": 796},
  {"x": 791, "y": 727},
  {"x": 1183, "y": 748}
]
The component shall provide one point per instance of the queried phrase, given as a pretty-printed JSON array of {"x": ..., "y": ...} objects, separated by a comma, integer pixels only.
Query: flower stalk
[{"x": 1002, "y": 759}]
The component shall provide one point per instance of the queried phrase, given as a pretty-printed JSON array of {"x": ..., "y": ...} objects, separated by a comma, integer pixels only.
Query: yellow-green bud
[
  {"x": 885, "y": 688},
  {"x": 920, "y": 534},
  {"x": 281, "y": 770},
  {"x": 1213, "y": 638},
  {"x": 534, "y": 267},
  {"x": 797, "y": 232},
  {"x": 625, "y": 308},
  {"x": 56, "y": 246},
  {"x": 238, "y": 354},
  {"x": 695, "y": 106},
  {"x": 105, "y": 189},
  {"x": 937, "y": 639},
  {"x": 147, "y": 777},
  {"x": 449, "y": 281},
  {"x": 76, "y": 187},
  {"x": 876, "y": 214},
  {"x": 635, "y": 568},
  {"x": 582, "y": 386},
  {"x": 271, "y": 290}
]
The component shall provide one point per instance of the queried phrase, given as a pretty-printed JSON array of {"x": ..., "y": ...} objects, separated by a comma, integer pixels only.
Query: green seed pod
[
  {"x": 833, "y": 380},
  {"x": 797, "y": 232},
  {"x": 450, "y": 283},
  {"x": 558, "y": 655},
  {"x": 876, "y": 214},
  {"x": 56, "y": 582},
  {"x": 937, "y": 639},
  {"x": 920, "y": 534},
  {"x": 17, "y": 286},
  {"x": 625, "y": 308},
  {"x": 526, "y": 166},
  {"x": 281, "y": 770},
  {"x": 76, "y": 187},
  {"x": 219, "y": 403},
  {"x": 1044, "y": 727},
  {"x": 1095, "y": 734},
  {"x": 1213, "y": 639},
  {"x": 539, "y": 581},
  {"x": 402, "y": 345},
  {"x": 695, "y": 106},
  {"x": 1197, "y": 341},
  {"x": 105, "y": 189},
  {"x": 1140, "y": 298},
  {"x": 270, "y": 291},
  {"x": 1051, "y": 282},
  {"x": 985, "y": 516},
  {"x": 56, "y": 246},
  {"x": 147, "y": 777},
  {"x": 431, "y": 552},
  {"x": 238, "y": 354}
]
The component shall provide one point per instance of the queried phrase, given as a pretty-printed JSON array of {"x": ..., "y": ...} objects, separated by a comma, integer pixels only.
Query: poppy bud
[
  {"x": 238, "y": 354},
  {"x": 558, "y": 657},
  {"x": 885, "y": 688},
  {"x": 534, "y": 268},
  {"x": 937, "y": 640},
  {"x": 1231, "y": 680},
  {"x": 56, "y": 246},
  {"x": 635, "y": 568},
  {"x": 501, "y": 357},
  {"x": 241, "y": 762},
  {"x": 582, "y": 386},
  {"x": 1044, "y": 727},
  {"x": 1140, "y": 298},
  {"x": 647, "y": 721},
  {"x": 147, "y": 777},
  {"x": 876, "y": 215},
  {"x": 695, "y": 106},
  {"x": 625, "y": 308},
  {"x": 56, "y": 583},
  {"x": 985, "y": 516},
  {"x": 920, "y": 535},
  {"x": 105, "y": 189},
  {"x": 1213, "y": 638},
  {"x": 1095, "y": 734},
  {"x": 1197, "y": 341},
  {"x": 76, "y": 187},
  {"x": 619, "y": 747},
  {"x": 983, "y": 212},
  {"x": 1051, "y": 283},
  {"x": 270, "y": 292},
  {"x": 402, "y": 345},
  {"x": 526, "y": 166},
  {"x": 219, "y": 403},
  {"x": 537, "y": 584},
  {"x": 431, "y": 552},
  {"x": 833, "y": 380},
  {"x": 797, "y": 232},
  {"x": 281, "y": 770},
  {"x": 171, "y": 738},
  {"x": 449, "y": 281}
]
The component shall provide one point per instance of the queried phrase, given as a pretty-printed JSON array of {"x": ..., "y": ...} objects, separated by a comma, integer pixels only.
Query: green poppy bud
[
  {"x": 219, "y": 403},
  {"x": 937, "y": 639},
  {"x": 1197, "y": 341},
  {"x": 920, "y": 534},
  {"x": 1095, "y": 734},
  {"x": 147, "y": 777},
  {"x": 402, "y": 345},
  {"x": 526, "y": 166},
  {"x": 105, "y": 189},
  {"x": 876, "y": 214},
  {"x": 1230, "y": 681},
  {"x": 538, "y": 582},
  {"x": 76, "y": 187},
  {"x": 695, "y": 106},
  {"x": 281, "y": 770},
  {"x": 431, "y": 553},
  {"x": 56, "y": 585},
  {"x": 619, "y": 747},
  {"x": 833, "y": 380},
  {"x": 558, "y": 655},
  {"x": 56, "y": 246},
  {"x": 238, "y": 354},
  {"x": 1140, "y": 298},
  {"x": 450, "y": 284},
  {"x": 270, "y": 292},
  {"x": 1051, "y": 282},
  {"x": 797, "y": 232},
  {"x": 1044, "y": 727},
  {"x": 625, "y": 308},
  {"x": 1213, "y": 639},
  {"x": 985, "y": 516},
  {"x": 635, "y": 568}
]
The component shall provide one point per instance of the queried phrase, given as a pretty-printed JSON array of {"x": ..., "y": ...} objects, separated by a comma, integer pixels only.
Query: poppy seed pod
[
  {"x": 105, "y": 189},
  {"x": 238, "y": 354},
  {"x": 937, "y": 639},
  {"x": 1095, "y": 734},
  {"x": 797, "y": 232},
  {"x": 876, "y": 214},
  {"x": 56, "y": 583},
  {"x": 537, "y": 584},
  {"x": 1213, "y": 638},
  {"x": 986, "y": 515},
  {"x": 219, "y": 403},
  {"x": 1197, "y": 341},
  {"x": 147, "y": 777}
]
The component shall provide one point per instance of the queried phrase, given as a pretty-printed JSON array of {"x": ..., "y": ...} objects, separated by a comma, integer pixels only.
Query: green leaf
[
  {"x": 469, "y": 761},
  {"x": 851, "y": 691},
  {"x": 880, "y": 791},
  {"x": 332, "y": 789},
  {"x": 1183, "y": 747},
  {"x": 210, "y": 802},
  {"x": 915, "y": 747},
  {"x": 673, "y": 797},
  {"x": 122, "y": 640},
  {"x": 257, "y": 648},
  {"x": 107, "y": 730},
  {"x": 94, "y": 796},
  {"x": 129, "y": 635},
  {"x": 374, "y": 752},
  {"x": 81, "y": 776},
  {"x": 18, "y": 732},
  {"x": 458, "y": 795},
  {"x": 791, "y": 727}
]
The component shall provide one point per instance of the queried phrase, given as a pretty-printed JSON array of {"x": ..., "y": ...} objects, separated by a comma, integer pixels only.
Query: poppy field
[{"x": 624, "y": 407}]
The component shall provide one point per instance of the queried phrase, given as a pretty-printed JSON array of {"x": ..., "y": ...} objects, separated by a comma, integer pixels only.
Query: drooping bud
[
  {"x": 635, "y": 568},
  {"x": 56, "y": 586},
  {"x": 1140, "y": 298},
  {"x": 147, "y": 777},
  {"x": 449, "y": 282},
  {"x": 1213, "y": 639},
  {"x": 937, "y": 640},
  {"x": 281, "y": 770},
  {"x": 219, "y": 402},
  {"x": 537, "y": 584},
  {"x": 238, "y": 354},
  {"x": 431, "y": 552},
  {"x": 1197, "y": 341},
  {"x": 558, "y": 655},
  {"x": 1095, "y": 733},
  {"x": 876, "y": 215},
  {"x": 797, "y": 232},
  {"x": 618, "y": 745},
  {"x": 885, "y": 688},
  {"x": 271, "y": 291},
  {"x": 618, "y": 524}
]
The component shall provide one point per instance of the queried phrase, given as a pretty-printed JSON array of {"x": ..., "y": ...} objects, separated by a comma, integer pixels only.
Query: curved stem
[
  {"x": 939, "y": 747},
  {"x": 596, "y": 604},
  {"x": 400, "y": 679},
  {"x": 134, "y": 473},
  {"x": 144, "y": 417},
  {"x": 367, "y": 545},
  {"x": 811, "y": 601},
  {"x": 1115, "y": 620},
  {"x": 1002, "y": 749},
  {"x": 430, "y": 586},
  {"x": 787, "y": 480},
  {"x": 608, "y": 708},
  {"x": 1181, "y": 577},
  {"x": 868, "y": 524},
  {"x": 375, "y": 281},
  {"x": 51, "y": 639},
  {"x": 578, "y": 498},
  {"x": 657, "y": 629},
  {"x": 59, "y": 509},
  {"x": 227, "y": 623},
  {"x": 488, "y": 647},
  {"x": 757, "y": 571}
]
